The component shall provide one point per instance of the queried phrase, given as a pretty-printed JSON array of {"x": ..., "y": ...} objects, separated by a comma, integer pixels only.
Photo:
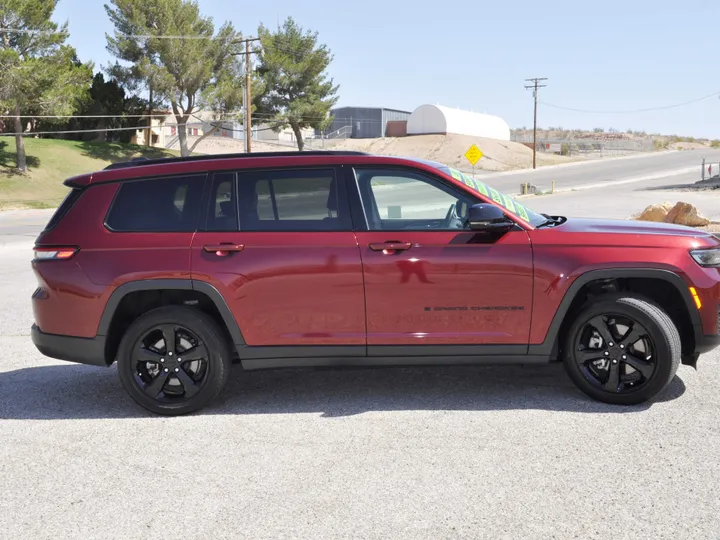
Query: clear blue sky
[{"x": 597, "y": 54}]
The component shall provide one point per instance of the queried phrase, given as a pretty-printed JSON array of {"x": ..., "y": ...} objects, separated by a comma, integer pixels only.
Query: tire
[
  {"x": 601, "y": 371},
  {"x": 157, "y": 377}
]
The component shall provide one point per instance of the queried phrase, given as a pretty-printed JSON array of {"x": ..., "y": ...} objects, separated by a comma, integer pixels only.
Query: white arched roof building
[{"x": 432, "y": 119}]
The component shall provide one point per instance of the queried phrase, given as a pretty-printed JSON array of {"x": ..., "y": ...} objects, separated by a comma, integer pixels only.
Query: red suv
[{"x": 174, "y": 268}]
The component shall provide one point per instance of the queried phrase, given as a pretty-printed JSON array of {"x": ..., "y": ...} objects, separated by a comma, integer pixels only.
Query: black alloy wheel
[
  {"x": 174, "y": 360},
  {"x": 615, "y": 353},
  {"x": 622, "y": 350},
  {"x": 171, "y": 363}
]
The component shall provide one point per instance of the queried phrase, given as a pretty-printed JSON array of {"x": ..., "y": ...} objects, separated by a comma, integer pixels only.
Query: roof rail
[{"x": 142, "y": 161}]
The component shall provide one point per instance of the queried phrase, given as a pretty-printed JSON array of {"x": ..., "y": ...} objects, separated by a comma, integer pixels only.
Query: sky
[{"x": 598, "y": 55}]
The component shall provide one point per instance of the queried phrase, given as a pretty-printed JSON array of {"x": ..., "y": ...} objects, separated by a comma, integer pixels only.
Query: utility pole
[
  {"x": 247, "y": 97},
  {"x": 534, "y": 87},
  {"x": 148, "y": 136}
]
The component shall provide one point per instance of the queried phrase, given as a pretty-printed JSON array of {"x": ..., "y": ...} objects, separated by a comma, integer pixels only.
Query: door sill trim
[{"x": 390, "y": 361}]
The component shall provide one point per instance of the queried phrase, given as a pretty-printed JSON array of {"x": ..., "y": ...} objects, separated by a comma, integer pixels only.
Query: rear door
[{"x": 279, "y": 246}]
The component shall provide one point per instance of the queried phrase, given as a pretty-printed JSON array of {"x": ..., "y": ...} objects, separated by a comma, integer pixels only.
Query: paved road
[
  {"x": 22, "y": 225},
  {"x": 453, "y": 453},
  {"x": 623, "y": 200},
  {"x": 607, "y": 171}
]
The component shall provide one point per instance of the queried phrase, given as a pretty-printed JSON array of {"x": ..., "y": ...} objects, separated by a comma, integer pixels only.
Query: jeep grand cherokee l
[{"x": 174, "y": 268}]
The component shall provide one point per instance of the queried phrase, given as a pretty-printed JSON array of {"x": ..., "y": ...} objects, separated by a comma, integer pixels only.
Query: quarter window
[{"x": 157, "y": 205}]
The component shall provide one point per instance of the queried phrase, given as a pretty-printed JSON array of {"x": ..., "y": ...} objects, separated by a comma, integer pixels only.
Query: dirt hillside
[{"x": 448, "y": 149}]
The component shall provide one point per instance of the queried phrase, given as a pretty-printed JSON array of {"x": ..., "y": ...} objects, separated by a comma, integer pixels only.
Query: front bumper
[
  {"x": 707, "y": 344},
  {"x": 89, "y": 351}
]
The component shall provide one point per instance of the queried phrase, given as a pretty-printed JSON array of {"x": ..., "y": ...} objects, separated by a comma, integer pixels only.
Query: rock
[
  {"x": 655, "y": 212},
  {"x": 686, "y": 214}
]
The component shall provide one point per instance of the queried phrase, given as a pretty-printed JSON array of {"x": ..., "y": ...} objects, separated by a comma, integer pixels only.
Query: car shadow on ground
[{"x": 83, "y": 392}]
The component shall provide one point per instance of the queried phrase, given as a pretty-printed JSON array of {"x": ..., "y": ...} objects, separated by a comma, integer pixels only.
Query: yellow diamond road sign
[{"x": 473, "y": 155}]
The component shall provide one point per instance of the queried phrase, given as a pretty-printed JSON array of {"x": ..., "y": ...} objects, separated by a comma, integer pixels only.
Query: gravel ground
[{"x": 504, "y": 453}]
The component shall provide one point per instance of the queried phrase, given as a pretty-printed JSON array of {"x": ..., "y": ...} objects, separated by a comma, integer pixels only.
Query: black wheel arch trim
[
  {"x": 549, "y": 345},
  {"x": 171, "y": 284}
]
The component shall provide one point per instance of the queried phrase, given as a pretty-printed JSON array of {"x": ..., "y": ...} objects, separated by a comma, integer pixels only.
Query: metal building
[{"x": 363, "y": 122}]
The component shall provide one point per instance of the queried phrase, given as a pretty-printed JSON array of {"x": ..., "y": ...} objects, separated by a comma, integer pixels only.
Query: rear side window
[
  {"x": 157, "y": 205},
  {"x": 70, "y": 199},
  {"x": 222, "y": 214},
  {"x": 293, "y": 200}
]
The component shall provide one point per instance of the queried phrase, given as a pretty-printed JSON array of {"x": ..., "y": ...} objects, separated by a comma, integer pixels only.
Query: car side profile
[{"x": 176, "y": 268}]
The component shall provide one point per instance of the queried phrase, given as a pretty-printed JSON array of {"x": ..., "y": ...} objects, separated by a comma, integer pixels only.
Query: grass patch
[{"x": 53, "y": 161}]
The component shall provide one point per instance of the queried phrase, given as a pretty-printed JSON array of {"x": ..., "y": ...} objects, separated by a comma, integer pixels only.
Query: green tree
[
  {"x": 103, "y": 99},
  {"x": 174, "y": 51},
  {"x": 106, "y": 98},
  {"x": 297, "y": 91},
  {"x": 37, "y": 70}
]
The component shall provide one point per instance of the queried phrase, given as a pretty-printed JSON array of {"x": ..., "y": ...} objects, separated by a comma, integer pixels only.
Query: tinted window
[
  {"x": 223, "y": 204},
  {"x": 157, "y": 205},
  {"x": 64, "y": 207},
  {"x": 397, "y": 200},
  {"x": 289, "y": 200}
]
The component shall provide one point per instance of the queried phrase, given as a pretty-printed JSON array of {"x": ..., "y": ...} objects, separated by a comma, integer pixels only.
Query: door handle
[
  {"x": 390, "y": 247},
  {"x": 223, "y": 250}
]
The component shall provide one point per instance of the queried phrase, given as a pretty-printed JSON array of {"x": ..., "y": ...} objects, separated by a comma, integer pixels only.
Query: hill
[
  {"x": 53, "y": 161},
  {"x": 448, "y": 149}
]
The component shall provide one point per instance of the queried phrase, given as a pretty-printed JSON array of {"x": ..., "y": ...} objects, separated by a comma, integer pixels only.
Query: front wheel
[
  {"x": 173, "y": 360},
  {"x": 622, "y": 350}
]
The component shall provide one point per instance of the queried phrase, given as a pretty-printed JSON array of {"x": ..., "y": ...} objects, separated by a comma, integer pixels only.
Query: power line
[
  {"x": 136, "y": 36},
  {"x": 24, "y": 133},
  {"x": 171, "y": 116},
  {"x": 281, "y": 48},
  {"x": 213, "y": 123},
  {"x": 534, "y": 86},
  {"x": 649, "y": 109},
  {"x": 99, "y": 130},
  {"x": 60, "y": 116}
]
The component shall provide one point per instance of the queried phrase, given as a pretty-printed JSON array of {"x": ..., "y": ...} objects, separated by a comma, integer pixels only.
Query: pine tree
[
  {"x": 38, "y": 71},
  {"x": 182, "y": 61},
  {"x": 297, "y": 93}
]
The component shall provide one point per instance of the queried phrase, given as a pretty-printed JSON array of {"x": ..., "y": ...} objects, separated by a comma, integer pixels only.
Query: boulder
[
  {"x": 686, "y": 214},
  {"x": 655, "y": 212}
]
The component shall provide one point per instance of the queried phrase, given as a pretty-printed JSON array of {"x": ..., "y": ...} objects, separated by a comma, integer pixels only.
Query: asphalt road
[
  {"x": 501, "y": 452},
  {"x": 620, "y": 201},
  {"x": 610, "y": 171}
]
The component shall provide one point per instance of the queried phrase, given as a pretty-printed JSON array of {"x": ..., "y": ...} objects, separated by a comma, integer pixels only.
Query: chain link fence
[{"x": 588, "y": 146}]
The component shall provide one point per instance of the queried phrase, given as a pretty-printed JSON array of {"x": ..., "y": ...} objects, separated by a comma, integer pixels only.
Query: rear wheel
[
  {"x": 173, "y": 360},
  {"x": 622, "y": 350}
]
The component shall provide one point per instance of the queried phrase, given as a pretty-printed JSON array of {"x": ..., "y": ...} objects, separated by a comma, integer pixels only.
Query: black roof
[{"x": 141, "y": 161}]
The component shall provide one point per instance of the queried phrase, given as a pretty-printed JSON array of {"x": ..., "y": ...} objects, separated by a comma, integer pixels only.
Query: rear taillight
[{"x": 54, "y": 253}]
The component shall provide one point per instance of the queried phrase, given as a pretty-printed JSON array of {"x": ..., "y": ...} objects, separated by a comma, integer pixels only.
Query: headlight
[{"x": 707, "y": 257}]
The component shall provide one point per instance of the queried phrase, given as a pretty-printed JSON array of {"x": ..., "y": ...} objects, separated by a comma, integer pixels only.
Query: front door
[
  {"x": 429, "y": 280},
  {"x": 279, "y": 246}
]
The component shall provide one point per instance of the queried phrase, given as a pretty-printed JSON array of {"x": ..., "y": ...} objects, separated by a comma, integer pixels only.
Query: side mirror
[{"x": 489, "y": 218}]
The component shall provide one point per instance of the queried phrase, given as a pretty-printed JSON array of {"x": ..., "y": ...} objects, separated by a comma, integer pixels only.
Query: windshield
[{"x": 519, "y": 210}]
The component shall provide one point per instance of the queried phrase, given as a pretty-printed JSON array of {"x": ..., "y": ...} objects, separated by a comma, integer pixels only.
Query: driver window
[{"x": 399, "y": 200}]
